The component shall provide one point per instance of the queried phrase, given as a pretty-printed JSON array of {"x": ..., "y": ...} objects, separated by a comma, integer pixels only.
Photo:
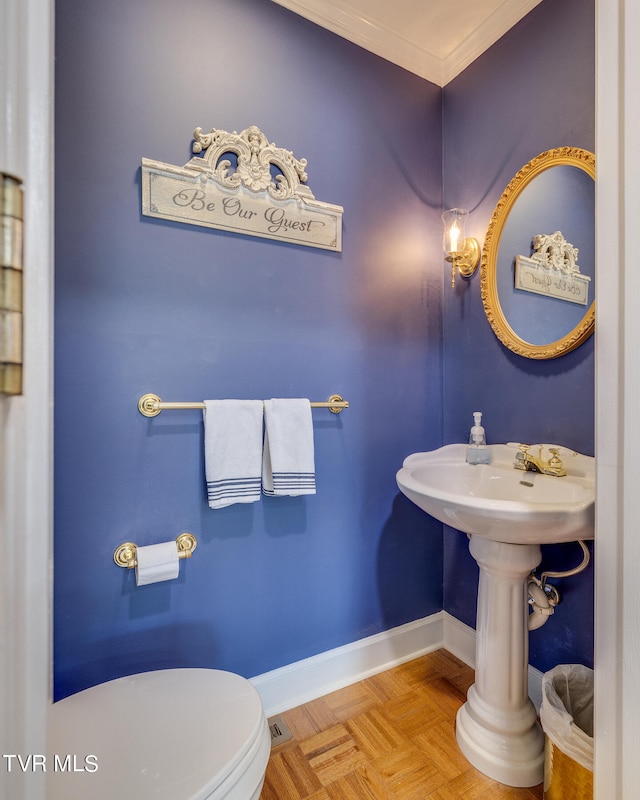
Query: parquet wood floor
[{"x": 390, "y": 737}]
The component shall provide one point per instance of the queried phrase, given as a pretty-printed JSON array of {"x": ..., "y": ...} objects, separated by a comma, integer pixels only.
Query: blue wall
[
  {"x": 534, "y": 90},
  {"x": 189, "y": 313}
]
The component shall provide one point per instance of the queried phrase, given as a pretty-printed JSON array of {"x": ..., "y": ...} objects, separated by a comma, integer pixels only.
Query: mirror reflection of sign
[
  {"x": 552, "y": 270},
  {"x": 241, "y": 183}
]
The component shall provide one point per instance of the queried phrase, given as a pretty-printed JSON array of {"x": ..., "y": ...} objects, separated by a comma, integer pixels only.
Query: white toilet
[{"x": 175, "y": 734}]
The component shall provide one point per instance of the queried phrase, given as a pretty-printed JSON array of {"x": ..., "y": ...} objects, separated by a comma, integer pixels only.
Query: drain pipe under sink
[{"x": 543, "y": 597}]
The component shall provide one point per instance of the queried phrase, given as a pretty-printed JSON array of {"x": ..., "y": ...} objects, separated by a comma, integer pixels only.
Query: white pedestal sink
[{"x": 508, "y": 514}]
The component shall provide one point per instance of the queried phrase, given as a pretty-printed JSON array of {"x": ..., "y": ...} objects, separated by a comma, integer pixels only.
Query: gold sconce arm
[
  {"x": 461, "y": 251},
  {"x": 465, "y": 261}
]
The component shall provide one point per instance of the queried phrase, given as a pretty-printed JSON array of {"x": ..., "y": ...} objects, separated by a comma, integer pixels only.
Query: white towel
[
  {"x": 288, "y": 460},
  {"x": 232, "y": 451}
]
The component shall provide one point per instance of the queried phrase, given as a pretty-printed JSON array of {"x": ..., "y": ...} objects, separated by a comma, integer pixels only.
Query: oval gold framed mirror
[{"x": 538, "y": 260}]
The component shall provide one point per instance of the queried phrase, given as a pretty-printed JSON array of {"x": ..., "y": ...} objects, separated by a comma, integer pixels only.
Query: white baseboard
[
  {"x": 460, "y": 640},
  {"x": 327, "y": 672},
  {"x": 314, "y": 677},
  {"x": 535, "y": 686}
]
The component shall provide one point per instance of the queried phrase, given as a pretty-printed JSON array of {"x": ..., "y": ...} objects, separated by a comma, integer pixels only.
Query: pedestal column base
[
  {"x": 496, "y": 728},
  {"x": 510, "y": 751}
]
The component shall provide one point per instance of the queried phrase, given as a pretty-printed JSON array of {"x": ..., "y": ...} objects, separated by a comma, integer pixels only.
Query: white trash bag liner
[{"x": 566, "y": 713}]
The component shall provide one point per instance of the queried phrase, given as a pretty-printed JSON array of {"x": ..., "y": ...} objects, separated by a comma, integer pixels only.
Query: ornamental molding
[
  {"x": 255, "y": 158},
  {"x": 241, "y": 182}
]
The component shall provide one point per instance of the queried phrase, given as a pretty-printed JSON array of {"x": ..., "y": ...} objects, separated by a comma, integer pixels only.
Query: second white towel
[
  {"x": 288, "y": 462},
  {"x": 232, "y": 451}
]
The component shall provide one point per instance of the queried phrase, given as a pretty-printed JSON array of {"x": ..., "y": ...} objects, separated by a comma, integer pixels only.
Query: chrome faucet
[{"x": 526, "y": 461}]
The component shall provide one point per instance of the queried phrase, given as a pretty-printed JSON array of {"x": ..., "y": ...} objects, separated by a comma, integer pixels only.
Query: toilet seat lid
[{"x": 174, "y": 733}]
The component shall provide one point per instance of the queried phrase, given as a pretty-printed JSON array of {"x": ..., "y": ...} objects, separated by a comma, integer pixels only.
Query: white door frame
[
  {"x": 617, "y": 589},
  {"x": 26, "y": 150},
  {"x": 26, "y": 37}
]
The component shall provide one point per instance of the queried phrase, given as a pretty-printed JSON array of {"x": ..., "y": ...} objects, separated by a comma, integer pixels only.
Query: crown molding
[
  {"x": 367, "y": 32},
  {"x": 484, "y": 36}
]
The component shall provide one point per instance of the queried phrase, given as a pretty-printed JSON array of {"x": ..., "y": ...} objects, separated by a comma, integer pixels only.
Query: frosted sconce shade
[{"x": 454, "y": 236}]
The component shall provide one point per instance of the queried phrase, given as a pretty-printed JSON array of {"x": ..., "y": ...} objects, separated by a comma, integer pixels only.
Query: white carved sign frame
[{"x": 261, "y": 194}]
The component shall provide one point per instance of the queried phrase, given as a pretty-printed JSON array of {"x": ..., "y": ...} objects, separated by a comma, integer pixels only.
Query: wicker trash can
[{"x": 566, "y": 715}]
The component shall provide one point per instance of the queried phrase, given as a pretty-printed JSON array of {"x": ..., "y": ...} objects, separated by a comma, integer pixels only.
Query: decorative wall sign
[
  {"x": 552, "y": 270},
  {"x": 241, "y": 183}
]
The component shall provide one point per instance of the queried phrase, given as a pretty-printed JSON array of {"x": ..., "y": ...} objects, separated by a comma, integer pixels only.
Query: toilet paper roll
[{"x": 157, "y": 562}]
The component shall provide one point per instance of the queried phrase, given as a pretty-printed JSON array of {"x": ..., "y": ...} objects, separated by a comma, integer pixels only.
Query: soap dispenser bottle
[{"x": 477, "y": 452}]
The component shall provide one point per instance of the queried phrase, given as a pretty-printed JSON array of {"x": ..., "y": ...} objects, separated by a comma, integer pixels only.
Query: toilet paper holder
[{"x": 125, "y": 554}]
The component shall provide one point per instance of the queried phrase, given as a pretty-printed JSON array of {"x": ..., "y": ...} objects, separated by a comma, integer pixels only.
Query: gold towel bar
[
  {"x": 151, "y": 405},
  {"x": 125, "y": 554}
]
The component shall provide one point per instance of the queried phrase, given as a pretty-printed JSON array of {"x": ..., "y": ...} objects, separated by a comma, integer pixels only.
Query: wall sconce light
[{"x": 462, "y": 252}]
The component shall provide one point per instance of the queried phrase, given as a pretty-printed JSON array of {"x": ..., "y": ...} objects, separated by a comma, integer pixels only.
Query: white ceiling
[{"x": 435, "y": 39}]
